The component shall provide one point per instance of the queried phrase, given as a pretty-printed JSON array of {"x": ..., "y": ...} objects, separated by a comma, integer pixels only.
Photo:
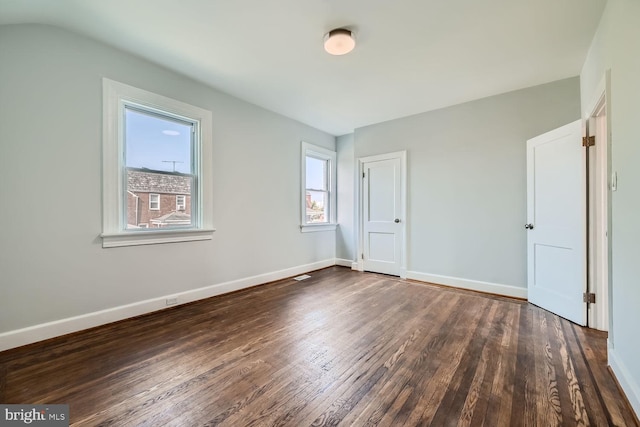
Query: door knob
[
  {"x": 396, "y": 220},
  {"x": 528, "y": 226}
]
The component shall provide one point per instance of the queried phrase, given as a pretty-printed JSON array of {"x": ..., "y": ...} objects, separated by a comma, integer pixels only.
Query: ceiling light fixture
[{"x": 339, "y": 41}]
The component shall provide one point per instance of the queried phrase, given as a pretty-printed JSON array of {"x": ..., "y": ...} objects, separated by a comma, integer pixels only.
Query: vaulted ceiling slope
[{"x": 411, "y": 55}]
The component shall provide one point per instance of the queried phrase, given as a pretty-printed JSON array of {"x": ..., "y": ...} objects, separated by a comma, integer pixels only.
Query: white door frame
[
  {"x": 599, "y": 118},
  {"x": 402, "y": 155}
]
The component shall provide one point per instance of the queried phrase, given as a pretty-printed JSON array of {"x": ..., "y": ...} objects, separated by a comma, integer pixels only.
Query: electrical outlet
[{"x": 172, "y": 301}]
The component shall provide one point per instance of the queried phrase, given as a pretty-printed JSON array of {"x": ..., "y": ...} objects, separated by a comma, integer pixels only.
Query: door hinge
[
  {"x": 589, "y": 297},
  {"x": 362, "y": 174},
  {"x": 362, "y": 256},
  {"x": 588, "y": 141}
]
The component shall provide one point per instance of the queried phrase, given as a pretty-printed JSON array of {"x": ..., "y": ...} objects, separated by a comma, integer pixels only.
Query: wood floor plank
[
  {"x": 502, "y": 387},
  {"x": 428, "y": 362},
  {"x": 460, "y": 384},
  {"x": 595, "y": 351},
  {"x": 450, "y": 359},
  {"x": 579, "y": 412},
  {"x": 340, "y": 348},
  {"x": 594, "y": 406},
  {"x": 548, "y": 402},
  {"x": 396, "y": 390}
]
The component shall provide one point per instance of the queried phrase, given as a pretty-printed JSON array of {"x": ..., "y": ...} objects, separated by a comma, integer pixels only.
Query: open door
[{"x": 556, "y": 222}]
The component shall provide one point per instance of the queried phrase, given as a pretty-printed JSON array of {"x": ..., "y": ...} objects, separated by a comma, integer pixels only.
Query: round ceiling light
[{"x": 339, "y": 41}]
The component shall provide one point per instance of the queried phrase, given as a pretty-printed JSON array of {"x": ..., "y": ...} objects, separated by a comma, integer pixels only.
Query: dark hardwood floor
[{"x": 341, "y": 348}]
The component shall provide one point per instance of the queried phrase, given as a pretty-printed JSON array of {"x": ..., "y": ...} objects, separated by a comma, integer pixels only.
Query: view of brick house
[
  {"x": 157, "y": 199},
  {"x": 315, "y": 211}
]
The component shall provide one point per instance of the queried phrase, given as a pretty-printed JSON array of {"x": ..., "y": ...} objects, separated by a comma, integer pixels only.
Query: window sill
[
  {"x": 311, "y": 228},
  {"x": 114, "y": 240}
]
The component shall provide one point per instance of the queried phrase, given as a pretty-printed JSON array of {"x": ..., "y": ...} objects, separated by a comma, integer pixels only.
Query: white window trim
[
  {"x": 115, "y": 95},
  {"x": 157, "y": 195},
  {"x": 324, "y": 154}
]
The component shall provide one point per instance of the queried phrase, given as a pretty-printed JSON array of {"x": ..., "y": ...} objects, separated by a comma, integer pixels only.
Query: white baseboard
[
  {"x": 347, "y": 263},
  {"x": 344, "y": 262},
  {"x": 630, "y": 387},
  {"x": 56, "y": 328},
  {"x": 474, "y": 285}
]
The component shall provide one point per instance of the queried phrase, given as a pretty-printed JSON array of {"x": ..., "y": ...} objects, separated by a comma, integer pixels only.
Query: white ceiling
[{"x": 412, "y": 55}]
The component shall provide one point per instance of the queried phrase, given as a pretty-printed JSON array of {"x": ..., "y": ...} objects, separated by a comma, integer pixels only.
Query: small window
[
  {"x": 318, "y": 188},
  {"x": 181, "y": 202},
  {"x": 154, "y": 202},
  {"x": 154, "y": 148}
]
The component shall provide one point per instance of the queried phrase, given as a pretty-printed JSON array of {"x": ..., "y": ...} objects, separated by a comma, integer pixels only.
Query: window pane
[
  {"x": 158, "y": 157},
  {"x": 316, "y": 173},
  {"x": 317, "y": 207},
  {"x": 154, "y": 201},
  {"x": 157, "y": 142}
]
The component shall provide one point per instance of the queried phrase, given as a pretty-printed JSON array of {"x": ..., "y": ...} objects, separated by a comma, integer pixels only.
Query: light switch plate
[{"x": 614, "y": 181}]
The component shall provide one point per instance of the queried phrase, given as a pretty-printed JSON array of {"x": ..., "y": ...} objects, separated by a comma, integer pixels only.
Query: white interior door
[
  {"x": 382, "y": 210},
  {"x": 556, "y": 217}
]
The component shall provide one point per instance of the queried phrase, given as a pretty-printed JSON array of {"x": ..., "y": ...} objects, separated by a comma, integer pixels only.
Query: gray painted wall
[
  {"x": 345, "y": 243},
  {"x": 615, "y": 47},
  {"x": 467, "y": 179},
  {"x": 52, "y": 263}
]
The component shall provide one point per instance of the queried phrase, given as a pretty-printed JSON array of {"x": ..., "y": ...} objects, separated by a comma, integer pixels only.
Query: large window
[
  {"x": 161, "y": 163},
  {"x": 157, "y": 168},
  {"x": 318, "y": 188}
]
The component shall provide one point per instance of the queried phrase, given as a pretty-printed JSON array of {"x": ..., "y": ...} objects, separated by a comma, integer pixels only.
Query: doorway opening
[
  {"x": 599, "y": 207},
  {"x": 568, "y": 217}
]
